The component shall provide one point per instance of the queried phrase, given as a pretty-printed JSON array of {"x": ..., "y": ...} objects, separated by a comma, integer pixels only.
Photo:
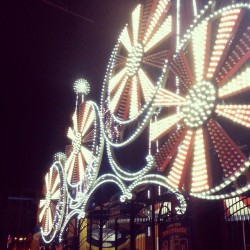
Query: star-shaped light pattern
[
  {"x": 138, "y": 60},
  {"x": 48, "y": 205},
  {"x": 213, "y": 71},
  {"x": 81, "y": 86},
  {"x": 82, "y": 150}
]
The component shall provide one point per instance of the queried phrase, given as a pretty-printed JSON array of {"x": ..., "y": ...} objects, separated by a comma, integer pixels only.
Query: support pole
[
  {"x": 132, "y": 227},
  {"x": 153, "y": 218},
  {"x": 116, "y": 233},
  {"x": 244, "y": 235},
  {"x": 90, "y": 232},
  {"x": 75, "y": 243},
  {"x": 101, "y": 229}
]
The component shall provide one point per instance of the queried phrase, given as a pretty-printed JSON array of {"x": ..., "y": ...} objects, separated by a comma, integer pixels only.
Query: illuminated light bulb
[
  {"x": 176, "y": 172},
  {"x": 200, "y": 105},
  {"x": 115, "y": 101},
  {"x": 135, "y": 23},
  {"x": 81, "y": 86},
  {"x": 77, "y": 142},
  {"x": 234, "y": 112},
  {"x": 114, "y": 81},
  {"x": 162, "y": 126},
  {"x": 226, "y": 26},
  {"x": 159, "y": 11},
  {"x": 60, "y": 157},
  {"x": 48, "y": 199},
  {"x": 134, "y": 107},
  {"x": 237, "y": 84},
  {"x": 161, "y": 33},
  {"x": 125, "y": 40},
  {"x": 134, "y": 59}
]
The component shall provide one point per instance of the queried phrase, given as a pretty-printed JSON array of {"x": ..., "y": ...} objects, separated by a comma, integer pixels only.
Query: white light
[
  {"x": 226, "y": 28},
  {"x": 81, "y": 86},
  {"x": 237, "y": 113},
  {"x": 134, "y": 59},
  {"x": 177, "y": 171},
  {"x": 200, "y": 102},
  {"x": 236, "y": 85}
]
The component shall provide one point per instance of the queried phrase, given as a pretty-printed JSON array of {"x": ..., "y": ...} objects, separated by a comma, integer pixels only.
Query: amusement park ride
[{"x": 179, "y": 71}]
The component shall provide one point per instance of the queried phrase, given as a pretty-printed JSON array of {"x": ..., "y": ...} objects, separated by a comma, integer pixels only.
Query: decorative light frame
[{"x": 60, "y": 204}]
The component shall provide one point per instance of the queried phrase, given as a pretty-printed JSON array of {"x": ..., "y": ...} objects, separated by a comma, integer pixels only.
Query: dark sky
[{"x": 43, "y": 51}]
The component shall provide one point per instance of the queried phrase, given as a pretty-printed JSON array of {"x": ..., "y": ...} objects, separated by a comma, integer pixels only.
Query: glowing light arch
[
  {"x": 125, "y": 175},
  {"x": 157, "y": 180},
  {"x": 109, "y": 178},
  {"x": 79, "y": 209},
  {"x": 67, "y": 219}
]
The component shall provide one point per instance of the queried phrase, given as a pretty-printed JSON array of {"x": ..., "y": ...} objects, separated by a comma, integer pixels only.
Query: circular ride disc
[
  {"x": 203, "y": 128},
  {"x": 85, "y": 152},
  {"x": 134, "y": 72},
  {"x": 53, "y": 206}
]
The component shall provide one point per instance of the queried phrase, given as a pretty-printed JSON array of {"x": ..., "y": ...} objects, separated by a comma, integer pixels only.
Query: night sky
[{"x": 43, "y": 51}]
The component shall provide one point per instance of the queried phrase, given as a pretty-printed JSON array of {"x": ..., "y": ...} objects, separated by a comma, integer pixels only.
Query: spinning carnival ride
[
  {"x": 133, "y": 74},
  {"x": 53, "y": 206},
  {"x": 212, "y": 70},
  {"x": 192, "y": 96},
  {"x": 85, "y": 153}
]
